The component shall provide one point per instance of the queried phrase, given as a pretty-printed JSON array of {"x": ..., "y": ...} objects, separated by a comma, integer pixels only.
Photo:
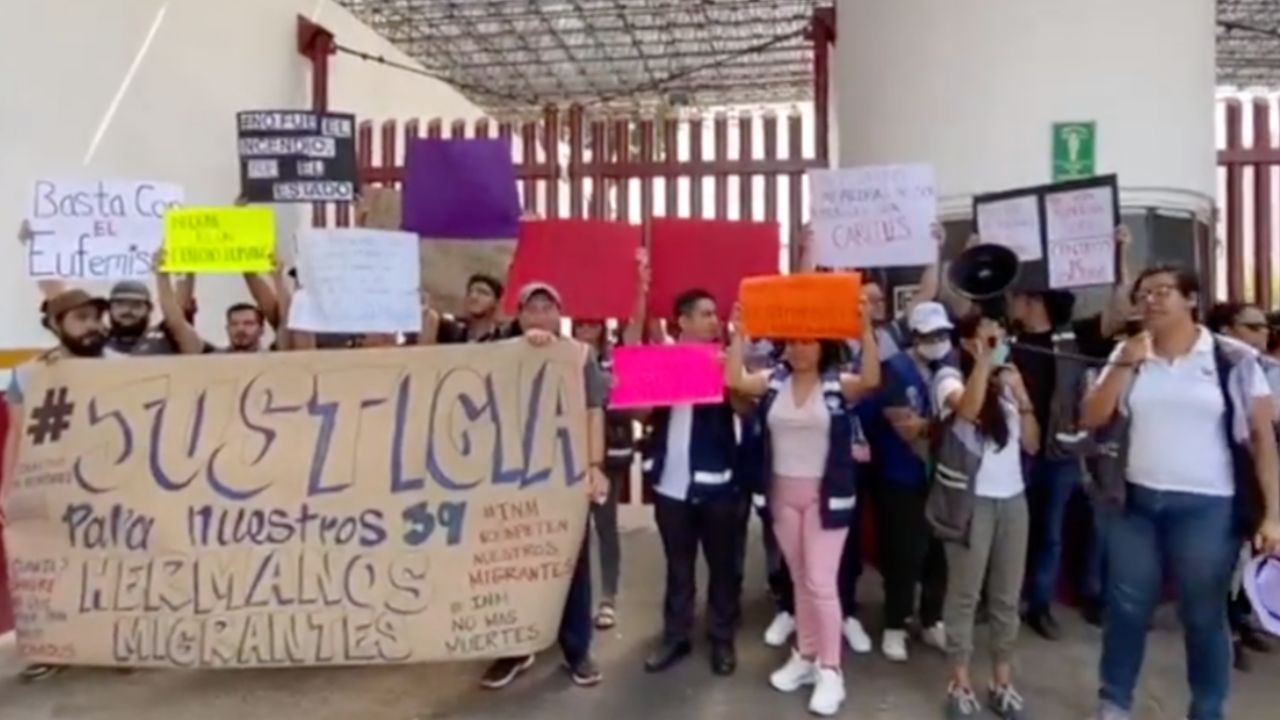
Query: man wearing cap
[
  {"x": 131, "y": 332},
  {"x": 909, "y": 556},
  {"x": 76, "y": 318},
  {"x": 480, "y": 309},
  {"x": 538, "y": 317}
]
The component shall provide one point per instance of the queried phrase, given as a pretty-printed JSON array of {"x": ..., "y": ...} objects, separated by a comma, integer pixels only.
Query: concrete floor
[{"x": 1058, "y": 679}]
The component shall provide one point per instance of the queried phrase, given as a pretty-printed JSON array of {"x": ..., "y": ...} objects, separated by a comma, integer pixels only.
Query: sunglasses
[{"x": 1255, "y": 327}]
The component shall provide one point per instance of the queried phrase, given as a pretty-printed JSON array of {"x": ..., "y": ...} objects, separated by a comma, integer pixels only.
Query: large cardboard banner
[{"x": 319, "y": 508}]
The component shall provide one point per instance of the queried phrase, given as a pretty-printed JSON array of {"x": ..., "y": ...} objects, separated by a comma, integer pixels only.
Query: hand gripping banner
[{"x": 318, "y": 508}]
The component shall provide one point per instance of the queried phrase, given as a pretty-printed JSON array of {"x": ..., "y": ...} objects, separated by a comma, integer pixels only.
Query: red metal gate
[{"x": 1247, "y": 164}]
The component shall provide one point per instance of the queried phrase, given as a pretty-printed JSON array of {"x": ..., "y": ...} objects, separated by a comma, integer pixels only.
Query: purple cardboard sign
[{"x": 461, "y": 189}]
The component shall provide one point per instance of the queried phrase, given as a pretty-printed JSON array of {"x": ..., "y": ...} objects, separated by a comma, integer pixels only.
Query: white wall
[
  {"x": 63, "y": 61},
  {"x": 973, "y": 88}
]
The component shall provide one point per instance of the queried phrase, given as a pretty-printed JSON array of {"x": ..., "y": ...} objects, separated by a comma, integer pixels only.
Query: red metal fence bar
[
  {"x": 1248, "y": 149},
  {"x": 602, "y": 170}
]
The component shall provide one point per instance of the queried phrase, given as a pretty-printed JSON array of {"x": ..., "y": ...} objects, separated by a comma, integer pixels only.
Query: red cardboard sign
[
  {"x": 714, "y": 255},
  {"x": 591, "y": 263}
]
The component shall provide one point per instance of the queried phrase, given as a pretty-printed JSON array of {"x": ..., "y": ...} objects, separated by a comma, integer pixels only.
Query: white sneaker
[
  {"x": 857, "y": 638},
  {"x": 894, "y": 645},
  {"x": 935, "y": 636},
  {"x": 797, "y": 673},
  {"x": 780, "y": 630},
  {"x": 828, "y": 693}
]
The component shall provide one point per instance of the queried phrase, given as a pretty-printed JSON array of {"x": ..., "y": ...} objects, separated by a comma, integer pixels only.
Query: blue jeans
[
  {"x": 576, "y": 621},
  {"x": 1192, "y": 536},
  {"x": 1095, "y": 569},
  {"x": 1053, "y": 483}
]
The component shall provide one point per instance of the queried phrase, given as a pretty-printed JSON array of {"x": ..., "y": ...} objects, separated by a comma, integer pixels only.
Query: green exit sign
[{"x": 1075, "y": 146}]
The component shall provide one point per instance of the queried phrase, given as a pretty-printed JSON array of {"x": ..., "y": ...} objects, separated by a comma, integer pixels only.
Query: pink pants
[{"x": 813, "y": 558}]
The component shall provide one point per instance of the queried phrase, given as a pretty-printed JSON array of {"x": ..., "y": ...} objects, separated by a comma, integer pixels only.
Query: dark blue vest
[
  {"x": 898, "y": 464},
  {"x": 838, "y": 494},
  {"x": 712, "y": 450}
]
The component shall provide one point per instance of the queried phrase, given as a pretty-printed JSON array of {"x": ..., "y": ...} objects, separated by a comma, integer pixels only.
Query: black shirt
[
  {"x": 456, "y": 332},
  {"x": 1038, "y": 368}
]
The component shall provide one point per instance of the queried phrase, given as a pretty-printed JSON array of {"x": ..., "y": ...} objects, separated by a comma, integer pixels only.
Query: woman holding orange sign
[{"x": 801, "y": 431}]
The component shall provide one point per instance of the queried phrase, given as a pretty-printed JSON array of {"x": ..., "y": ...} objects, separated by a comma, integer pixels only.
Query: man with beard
[
  {"x": 245, "y": 326},
  {"x": 76, "y": 318},
  {"x": 245, "y": 322}
]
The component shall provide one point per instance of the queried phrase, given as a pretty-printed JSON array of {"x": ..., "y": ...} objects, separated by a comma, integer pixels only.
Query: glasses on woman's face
[
  {"x": 1156, "y": 293},
  {"x": 1253, "y": 326}
]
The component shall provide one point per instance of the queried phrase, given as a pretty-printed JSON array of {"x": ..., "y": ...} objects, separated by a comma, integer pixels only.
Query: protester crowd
[{"x": 962, "y": 434}]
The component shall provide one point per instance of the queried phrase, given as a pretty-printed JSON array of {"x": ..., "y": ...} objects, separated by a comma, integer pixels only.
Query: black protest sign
[
  {"x": 296, "y": 156},
  {"x": 1064, "y": 233}
]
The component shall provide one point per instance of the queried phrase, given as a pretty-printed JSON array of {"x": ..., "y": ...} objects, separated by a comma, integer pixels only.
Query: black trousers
[
  {"x": 715, "y": 527},
  {"x": 909, "y": 555}
]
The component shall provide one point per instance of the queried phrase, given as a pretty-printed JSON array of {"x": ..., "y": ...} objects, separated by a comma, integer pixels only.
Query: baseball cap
[
  {"x": 68, "y": 300},
  {"x": 130, "y": 290},
  {"x": 928, "y": 317},
  {"x": 528, "y": 292}
]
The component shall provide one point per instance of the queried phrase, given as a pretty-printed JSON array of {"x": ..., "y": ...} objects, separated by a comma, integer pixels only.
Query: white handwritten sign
[
  {"x": 874, "y": 216},
  {"x": 97, "y": 230},
  {"x": 357, "y": 280},
  {"x": 1014, "y": 223},
  {"x": 1080, "y": 237}
]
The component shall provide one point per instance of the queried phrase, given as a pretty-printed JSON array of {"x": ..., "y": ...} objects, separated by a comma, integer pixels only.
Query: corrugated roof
[
  {"x": 512, "y": 56},
  {"x": 522, "y": 54}
]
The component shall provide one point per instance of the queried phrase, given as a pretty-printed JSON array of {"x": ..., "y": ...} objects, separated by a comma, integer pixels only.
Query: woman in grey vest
[{"x": 989, "y": 397}]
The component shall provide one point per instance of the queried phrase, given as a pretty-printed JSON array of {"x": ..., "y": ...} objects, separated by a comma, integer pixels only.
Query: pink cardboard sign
[{"x": 665, "y": 375}]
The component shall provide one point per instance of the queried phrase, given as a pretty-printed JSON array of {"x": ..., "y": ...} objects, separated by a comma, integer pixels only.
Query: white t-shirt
[
  {"x": 800, "y": 437},
  {"x": 1000, "y": 474},
  {"x": 1177, "y": 438},
  {"x": 676, "y": 473}
]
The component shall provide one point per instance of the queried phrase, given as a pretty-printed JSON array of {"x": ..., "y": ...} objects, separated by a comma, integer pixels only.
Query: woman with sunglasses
[{"x": 1248, "y": 324}]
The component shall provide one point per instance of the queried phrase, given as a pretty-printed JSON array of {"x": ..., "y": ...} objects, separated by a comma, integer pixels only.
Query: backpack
[
  {"x": 955, "y": 457},
  {"x": 1109, "y": 463}
]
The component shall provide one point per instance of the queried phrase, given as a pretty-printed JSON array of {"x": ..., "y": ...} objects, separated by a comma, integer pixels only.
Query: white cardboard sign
[
  {"x": 874, "y": 216},
  {"x": 1080, "y": 237},
  {"x": 357, "y": 280},
  {"x": 1013, "y": 223},
  {"x": 97, "y": 229}
]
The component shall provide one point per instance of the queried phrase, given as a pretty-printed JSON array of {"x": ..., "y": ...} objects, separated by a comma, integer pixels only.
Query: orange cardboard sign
[{"x": 812, "y": 306}]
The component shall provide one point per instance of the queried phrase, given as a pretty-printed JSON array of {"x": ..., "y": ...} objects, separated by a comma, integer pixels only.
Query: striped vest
[
  {"x": 712, "y": 449},
  {"x": 838, "y": 490}
]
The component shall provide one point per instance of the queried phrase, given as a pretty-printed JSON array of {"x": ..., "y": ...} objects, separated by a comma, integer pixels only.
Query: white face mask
[{"x": 935, "y": 350}]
